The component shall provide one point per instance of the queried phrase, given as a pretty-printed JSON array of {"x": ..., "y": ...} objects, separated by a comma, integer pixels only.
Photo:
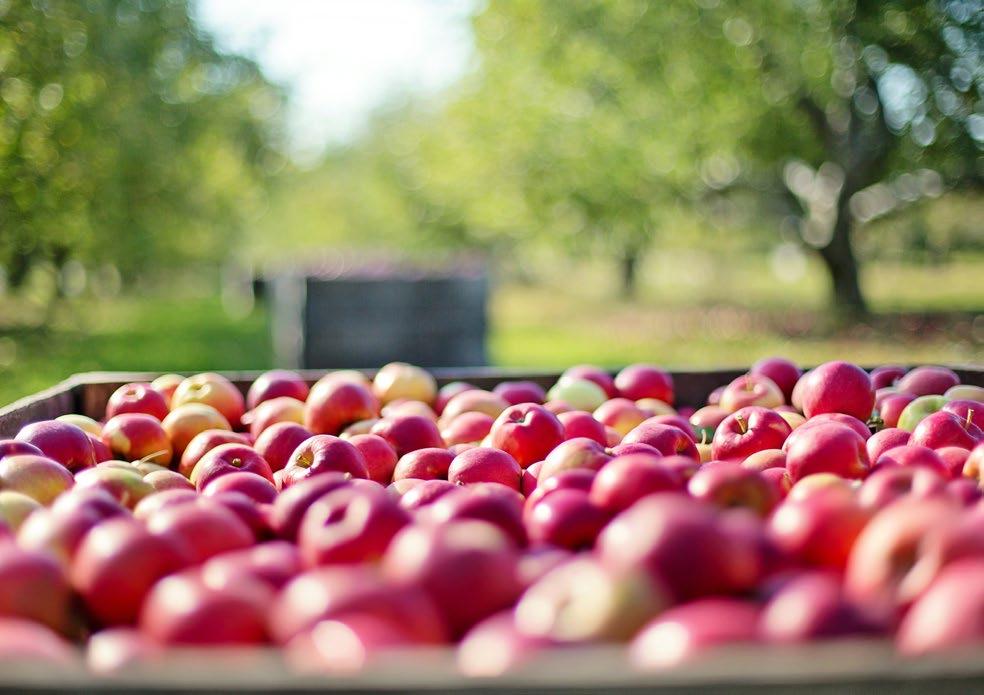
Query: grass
[{"x": 691, "y": 312}]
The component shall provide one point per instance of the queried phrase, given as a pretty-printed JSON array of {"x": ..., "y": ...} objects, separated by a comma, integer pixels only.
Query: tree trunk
[
  {"x": 842, "y": 267},
  {"x": 628, "y": 270}
]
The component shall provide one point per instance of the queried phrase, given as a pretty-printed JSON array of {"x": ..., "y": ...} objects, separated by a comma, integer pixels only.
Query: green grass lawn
[{"x": 725, "y": 315}]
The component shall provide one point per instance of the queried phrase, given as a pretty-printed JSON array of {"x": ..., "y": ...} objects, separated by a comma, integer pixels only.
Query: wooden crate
[{"x": 833, "y": 667}]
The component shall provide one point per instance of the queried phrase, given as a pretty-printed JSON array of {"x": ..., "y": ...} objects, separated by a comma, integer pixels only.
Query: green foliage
[{"x": 126, "y": 137}]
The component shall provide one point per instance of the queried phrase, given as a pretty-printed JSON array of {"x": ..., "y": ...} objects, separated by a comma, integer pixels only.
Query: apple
[
  {"x": 279, "y": 409},
  {"x": 794, "y": 420},
  {"x": 885, "y": 485},
  {"x": 38, "y": 477},
  {"x": 781, "y": 371},
  {"x": 945, "y": 543},
  {"x": 275, "y": 563},
  {"x": 360, "y": 427},
  {"x": 621, "y": 414},
  {"x": 965, "y": 392},
  {"x": 885, "y": 439},
  {"x": 125, "y": 485},
  {"x": 345, "y": 646},
  {"x": 919, "y": 409},
  {"x": 467, "y": 427},
  {"x": 828, "y": 447},
  {"x": 407, "y": 407},
  {"x": 33, "y": 587},
  {"x": 12, "y": 447},
  {"x": 954, "y": 458},
  {"x": 100, "y": 452},
  {"x": 449, "y": 391},
  {"x": 229, "y": 458},
  {"x": 276, "y": 443},
  {"x": 276, "y": 383},
  {"x": 592, "y": 373},
  {"x": 891, "y": 407},
  {"x": 573, "y": 453},
  {"x": 379, "y": 456},
  {"x": 683, "y": 633},
  {"x": 645, "y": 381},
  {"x": 628, "y": 478},
  {"x": 431, "y": 463},
  {"x": 348, "y": 526},
  {"x": 468, "y": 568},
  {"x": 575, "y": 479},
  {"x": 727, "y": 484},
  {"x": 527, "y": 432},
  {"x": 211, "y": 389},
  {"x": 205, "y": 441},
  {"x": 819, "y": 529},
  {"x": 166, "y": 384},
  {"x": 948, "y": 617},
  {"x": 58, "y": 530},
  {"x": 257, "y": 487},
  {"x": 516, "y": 392},
  {"x": 167, "y": 480},
  {"x": 912, "y": 455},
  {"x": 974, "y": 465},
  {"x": 838, "y": 387},
  {"x": 580, "y": 423},
  {"x": 667, "y": 439},
  {"x": 810, "y": 606},
  {"x": 489, "y": 502},
  {"x": 705, "y": 421},
  {"x": 536, "y": 562},
  {"x": 778, "y": 479},
  {"x": 928, "y": 381},
  {"x": 946, "y": 429},
  {"x": 485, "y": 465},
  {"x": 474, "y": 400},
  {"x": 400, "y": 380},
  {"x": 323, "y": 453},
  {"x": 747, "y": 431},
  {"x": 658, "y": 407},
  {"x": 137, "y": 436},
  {"x": 965, "y": 409},
  {"x": 335, "y": 404},
  {"x": 579, "y": 394},
  {"x": 65, "y": 443},
  {"x": 204, "y": 527},
  {"x": 887, "y": 375},
  {"x": 15, "y": 509},
  {"x": 406, "y": 433},
  {"x": 496, "y": 646},
  {"x": 136, "y": 398},
  {"x": 674, "y": 420},
  {"x": 751, "y": 389},
  {"x": 86, "y": 424},
  {"x": 27, "y": 643},
  {"x": 585, "y": 600},
  {"x": 680, "y": 541},
  {"x": 291, "y": 504},
  {"x": 183, "y": 610},
  {"x": 818, "y": 482},
  {"x": 566, "y": 518},
  {"x": 117, "y": 563},
  {"x": 765, "y": 459},
  {"x": 117, "y": 650},
  {"x": 425, "y": 493},
  {"x": 840, "y": 418},
  {"x": 186, "y": 421}
]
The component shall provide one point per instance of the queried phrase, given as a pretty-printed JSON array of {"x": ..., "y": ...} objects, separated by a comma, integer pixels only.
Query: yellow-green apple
[
  {"x": 579, "y": 394},
  {"x": 765, "y": 459},
  {"x": 829, "y": 447},
  {"x": 573, "y": 453},
  {"x": 406, "y": 433},
  {"x": 489, "y": 502},
  {"x": 687, "y": 632},
  {"x": 183, "y": 610},
  {"x": 656, "y": 406},
  {"x": 401, "y": 380},
  {"x": 580, "y": 423},
  {"x": 211, "y": 389},
  {"x": 794, "y": 420},
  {"x": 527, "y": 432},
  {"x": 165, "y": 385},
  {"x": 229, "y": 458},
  {"x": 887, "y": 375},
  {"x": 928, "y": 381},
  {"x": 819, "y": 529},
  {"x": 886, "y": 485},
  {"x": 117, "y": 563},
  {"x": 33, "y": 586},
  {"x": 279, "y": 409},
  {"x": 667, "y": 439},
  {"x": 467, "y": 427},
  {"x": 65, "y": 443},
  {"x": 38, "y": 477},
  {"x": 321, "y": 454},
  {"x": 205, "y": 441},
  {"x": 204, "y": 527},
  {"x": 379, "y": 456},
  {"x": 729, "y": 484},
  {"x": 278, "y": 442},
  {"x": 746, "y": 431},
  {"x": 946, "y": 429},
  {"x": 965, "y": 392},
  {"x": 186, "y": 421},
  {"x": 947, "y": 618},
  {"x": 485, "y": 465},
  {"x": 516, "y": 392},
  {"x": 621, "y": 414},
  {"x": 138, "y": 436},
  {"x": 885, "y": 439},
  {"x": 918, "y": 409},
  {"x": 137, "y": 397},
  {"x": 838, "y": 387},
  {"x": 449, "y": 391},
  {"x": 334, "y": 404},
  {"x": 595, "y": 374},
  {"x": 429, "y": 463},
  {"x": 891, "y": 407},
  {"x": 781, "y": 371},
  {"x": 350, "y": 525},
  {"x": 82, "y": 422},
  {"x": 645, "y": 381},
  {"x": 811, "y": 605},
  {"x": 16, "y": 508},
  {"x": 681, "y": 541},
  {"x": 585, "y": 601},
  {"x": 467, "y": 568},
  {"x": 751, "y": 389},
  {"x": 127, "y": 486},
  {"x": 167, "y": 480},
  {"x": 276, "y": 383},
  {"x": 628, "y": 478},
  {"x": 566, "y": 518}
]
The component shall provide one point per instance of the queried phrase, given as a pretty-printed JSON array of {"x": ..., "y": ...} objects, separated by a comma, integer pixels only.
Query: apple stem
[
  {"x": 152, "y": 455},
  {"x": 741, "y": 423},
  {"x": 970, "y": 418}
]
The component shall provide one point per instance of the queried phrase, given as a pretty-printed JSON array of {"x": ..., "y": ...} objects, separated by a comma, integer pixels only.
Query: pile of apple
[{"x": 360, "y": 518}]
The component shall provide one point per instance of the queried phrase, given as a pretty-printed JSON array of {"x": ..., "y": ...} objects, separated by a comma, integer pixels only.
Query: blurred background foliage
[{"x": 639, "y": 174}]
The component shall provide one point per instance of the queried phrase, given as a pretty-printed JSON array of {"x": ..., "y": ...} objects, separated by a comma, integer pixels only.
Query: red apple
[
  {"x": 888, "y": 375},
  {"x": 334, "y": 404},
  {"x": 279, "y": 409},
  {"x": 891, "y": 408},
  {"x": 137, "y": 436},
  {"x": 954, "y": 458},
  {"x": 751, "y": 390},
  {"x": 293, "y": 502},
  {"x": 274, "y": 563},
  {"x": 116, "y": 565},
  {"x": 516, "y": 392},
  {"x": 12, "y": 447},
  {"x": 466, "y": 428},
  {"x": 100, "y": 452},
  {"x": 727, "y": 484},
  {"x": 678, "y": 421},
  {"x": 350, "y": 525},
  {"x": 596, "y": 374},
  {"x": 840, "y": 418},
  {"x": 621, "y": 414},
  {"x": 706, "y": 421},
  {"x": 574, "y": 453},
  {"x": 346, "y": 645},
  {"x": 765, "y": 459},
  {"x": 948, "y": 617},
  {"x": 407, "y": 433},
  {"x": 125, "y": 484},
  {"x": 885, "y": 439},
  {"x": 527, "y": 432},
  {"x": 530, "y": 477},
  {"x": 812, "y": 606},
  {"x": 256, "y": 487},
  {"x": 323, "y": 453},
  {"x": 136, "y": 398},
  {"x": 626, "y": 479},
  {"x": 946, "y": 429},
  {"x": 967, "y": 410},
  {"x": 278, "y": 442},
  {"x": 166, "y": 384},
  {"x": 819, "y": 529},
  {"x": 567, "y": 518},
  {"x": 202, "y": 443},
  {"x": 58, "y": 530},
  {"x": 667, "y": 439},
  {"x": 747, "y": 431},
  {"x": 838, "y": 387},
  {"x": 185, "y": 422},
  {"x": 645, "y": 381},
  {"x": 117, "y": 650},
  {"x": 485, "y": 465},
  {"x": 379, "y": 456},
  {"x": 40, "y": 478},
  {"x": 827, "y": 447},
  {"x": 427, "y": 492},
  {"x": 910, "y": 456},
  {"x": 204, "y": 528},
  {"x": 229, "y": 458},
  {"x": 33, "y": 587},
  {"x": 431, "y": 463},
  {"x": 885, "y": 485},
  {"x": 25, "y": 642},
  {"x": 401, "y": 380},
  {"x": 275, "y": 384},
  {"x": 449, "y": 391},
  {"x": 928, "y": 381},
  {"x": 496, "y": 646},
  {"x": 65, "y": 443},
  {"x": 579, "y": 423},
  {"x": 489, "y": 502},
  {"x": 474, "y": 400},
  {"x": 781, "y": 371}
]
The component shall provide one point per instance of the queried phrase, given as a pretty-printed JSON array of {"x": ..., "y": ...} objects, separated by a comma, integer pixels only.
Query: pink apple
[
  {"x": 138, "y": 437},
  {"x": 229, "y": 458},
  {"x": 912, "y": 455},
  {"x": 567, "y": 518},
  {"x": 12, "y": 447},
  {"x": 678, "y": 421},
  {"x": 474, "y": 400},
  {"x": 628, "y": 478},
  {"x": 202, "y": 443},
  {"x": 885, "y": 485},
  {"x": 838, "y": 387},
  {"x": 425, "y": 493},
  {"x": 972, "y": 411},
  {"x": 33, "y": 587},
  {"x": 891, "y": 408},
  {"x": 467, "y": 428},
  {"x": 574, "y": 453},
  {"x": 840, "y": 418},
  {"x": 954, "y": 458},
  {"x": 667, "y": 439},
  {"x": 407, "y": 433},
  {"x": 279, "y": 409},
  {"x": 527, "y": 432},
  {"x": 781, "y": 371},
  {"x": 60, "y": 441},
  {"x": 431, "y": 463},
  {"x": 516, "y": 392},
  {"x": 747, "y": 431},
  {"x": 885, "y": 439},
  {"x": 204, "y": 528},
  {"x": 379, "y": 456},
  {"x": 765, "y": 459},
  {"x": 751, "y": 389},
  {"x": 485, "y": 465},
  {"x": 819, "y": 529},
  {"x": 828, "y": 447},
  {"x": 948, "y": 616},
  {"x": 728, "y": 484},
  {"x": 136, "y": 398},
  {"x": 645, "y": 381},
  {"x": 579, "y": 423},
  {"x": 888, "y": 375},
  {"x": 291, "y": 504},
  {"x": 812, "y": 606},
  {"x": 274, "y": 384},
  {"x": 334, "y": 404},
  {"x": 621, "y": 414},
  {"x": 323, "y": 453},
  {"x": 946, "y": 429},
  {"x": 274, "y": 563},
  {"x": 214, "y": 390},
  {"x": 277, "y": 443},
  {"x": 257, "y": 487},
  {"x": 488, "y": 502},
  {"x": 496, "y": 646},
  {"x": 928, "y": 381},
  {"x": 449, "y": 391}
]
